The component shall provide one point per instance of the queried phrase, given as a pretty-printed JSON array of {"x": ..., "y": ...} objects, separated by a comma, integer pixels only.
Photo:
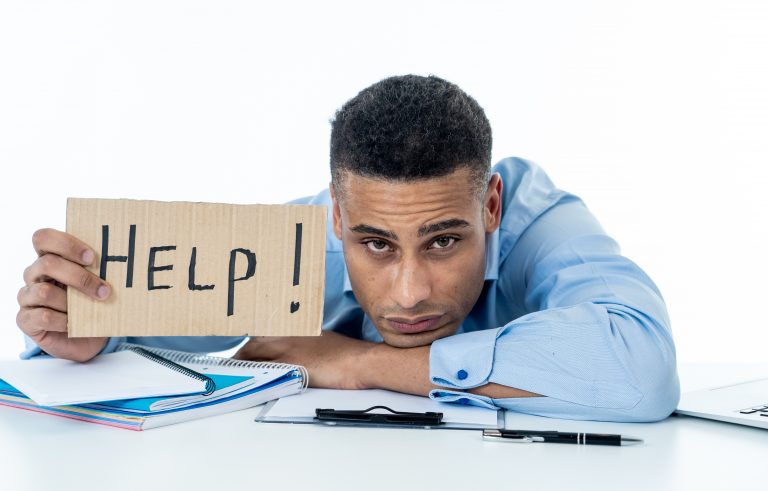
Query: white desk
[{"x": 232, "y": 452}]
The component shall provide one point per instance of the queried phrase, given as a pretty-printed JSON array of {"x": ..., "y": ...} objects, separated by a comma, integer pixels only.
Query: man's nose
[{"x": 411, "y": 285}]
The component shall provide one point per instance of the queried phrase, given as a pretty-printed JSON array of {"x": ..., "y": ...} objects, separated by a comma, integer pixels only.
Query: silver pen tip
[{"x": 630, "y": 440}]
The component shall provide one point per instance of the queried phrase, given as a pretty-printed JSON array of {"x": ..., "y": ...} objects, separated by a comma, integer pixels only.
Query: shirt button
[{"x": 461, "y": 374}]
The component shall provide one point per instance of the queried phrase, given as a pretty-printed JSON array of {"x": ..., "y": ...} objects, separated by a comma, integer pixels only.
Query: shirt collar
[{"x": 491, "y": 261}]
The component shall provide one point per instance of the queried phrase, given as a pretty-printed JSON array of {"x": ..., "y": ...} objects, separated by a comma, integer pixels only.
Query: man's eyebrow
[
  {"x": 368, "y": 229},
  {"x": 444, "y": 225}
]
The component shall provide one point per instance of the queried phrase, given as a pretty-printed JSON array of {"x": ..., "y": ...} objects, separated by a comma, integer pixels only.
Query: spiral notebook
[
  {"x": 212, "y": 385},
  {"x": 130, "y": 373}
]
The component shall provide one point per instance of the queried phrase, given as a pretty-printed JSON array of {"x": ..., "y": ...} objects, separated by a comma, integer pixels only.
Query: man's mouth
[{"x": 414, "y": 325}]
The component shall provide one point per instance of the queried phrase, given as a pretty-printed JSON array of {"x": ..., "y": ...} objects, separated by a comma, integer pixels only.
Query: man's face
[{"x": 415, "y": 252}]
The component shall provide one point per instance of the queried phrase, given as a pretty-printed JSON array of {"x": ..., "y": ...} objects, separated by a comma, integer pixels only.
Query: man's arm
[
  {"x": 340, "y": 362},
  {"x": 407, "y": 370}
]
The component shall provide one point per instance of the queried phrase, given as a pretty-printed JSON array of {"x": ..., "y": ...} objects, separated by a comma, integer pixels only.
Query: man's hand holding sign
[
  {"x": 174, "y": 269},
  {"x": 61, "y": 265}
]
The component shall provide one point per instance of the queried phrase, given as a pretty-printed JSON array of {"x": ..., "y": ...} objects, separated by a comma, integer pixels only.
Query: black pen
[{"x": 532, "y": 436}]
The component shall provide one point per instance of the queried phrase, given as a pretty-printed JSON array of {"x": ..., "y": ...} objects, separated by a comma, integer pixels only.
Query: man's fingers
[
  {"x": 57, "y": 344},
  {"x": 48, "y": 328},
  {"x": 53, "y": 267},
  {"x": 43, "y": 295},
  {"x": 36, "y": 321},
  {"x": 50, "y": 241}
]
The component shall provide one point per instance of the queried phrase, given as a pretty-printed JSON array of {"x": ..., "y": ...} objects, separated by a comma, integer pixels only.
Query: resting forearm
[{"x": 407, "y": 370}]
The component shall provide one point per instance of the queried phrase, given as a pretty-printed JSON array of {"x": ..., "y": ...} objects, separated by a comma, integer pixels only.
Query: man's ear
[
  {"x": 336, "y": 213},
  {"x": 492, "y": 204}
]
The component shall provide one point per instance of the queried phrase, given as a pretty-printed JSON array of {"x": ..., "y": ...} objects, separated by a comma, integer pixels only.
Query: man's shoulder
[
  {"x": 527, "y": 194},
  {"x": 526, "y": 187},
  {"x": 514, "y": 164},
  {"x": 522, "y": 176}
]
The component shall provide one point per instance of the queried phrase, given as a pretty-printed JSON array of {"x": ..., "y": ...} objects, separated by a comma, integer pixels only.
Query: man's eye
[
  {"x": 377, "y": 246},
  {"x": 443, "y": 242}
]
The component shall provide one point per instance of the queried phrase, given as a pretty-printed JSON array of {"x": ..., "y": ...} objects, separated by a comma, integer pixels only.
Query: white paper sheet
[{"x": 114, "y": 376}]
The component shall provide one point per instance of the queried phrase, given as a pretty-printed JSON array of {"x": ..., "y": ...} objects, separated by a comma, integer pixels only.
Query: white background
[{"x": 655, "y": 113}]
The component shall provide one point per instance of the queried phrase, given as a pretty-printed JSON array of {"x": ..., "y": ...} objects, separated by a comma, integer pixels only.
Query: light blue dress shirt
[{"x": 562, "y": 314}]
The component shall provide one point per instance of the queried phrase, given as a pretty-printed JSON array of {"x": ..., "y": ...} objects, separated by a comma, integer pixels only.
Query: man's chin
[{"x": 402, "y": 340}]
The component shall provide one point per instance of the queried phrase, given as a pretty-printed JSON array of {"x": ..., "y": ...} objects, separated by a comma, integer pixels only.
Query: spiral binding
[
  {"x": 198, "y": 359},
  {"x": 210, "y": 385}
]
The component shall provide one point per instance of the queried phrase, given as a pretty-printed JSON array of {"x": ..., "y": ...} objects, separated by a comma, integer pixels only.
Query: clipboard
[
  {"x": 377, "y": 409},
  {"x": 369, "y": 417}
]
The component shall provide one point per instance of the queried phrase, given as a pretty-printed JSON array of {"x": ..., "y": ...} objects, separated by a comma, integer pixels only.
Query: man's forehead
[
  {"x": 454, "y": 188},
  {"x": 362, "y": 196}
]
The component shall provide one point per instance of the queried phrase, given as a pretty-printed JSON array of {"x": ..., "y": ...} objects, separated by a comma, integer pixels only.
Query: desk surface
[{"x": 231, "y": 451}]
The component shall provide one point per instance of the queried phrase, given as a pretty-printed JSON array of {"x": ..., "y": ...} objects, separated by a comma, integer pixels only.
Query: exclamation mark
[{"x": 296, "y": 264}]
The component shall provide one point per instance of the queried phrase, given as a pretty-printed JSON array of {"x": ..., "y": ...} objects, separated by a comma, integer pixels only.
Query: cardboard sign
[{"x": 200, "y": 269}]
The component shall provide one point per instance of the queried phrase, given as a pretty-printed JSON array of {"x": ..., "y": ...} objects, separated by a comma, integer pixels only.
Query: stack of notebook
[{"x": 139, "y": 388}]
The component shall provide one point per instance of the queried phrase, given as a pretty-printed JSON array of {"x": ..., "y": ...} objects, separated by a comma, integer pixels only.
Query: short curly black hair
[{"x": 411, "y": 127}]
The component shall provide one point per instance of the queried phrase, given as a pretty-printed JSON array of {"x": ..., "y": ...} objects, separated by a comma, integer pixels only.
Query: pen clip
[
  {"x": 393, "y": 418},
  {"x": 510, "y": 438},
  {"x": 497, "y": 436}
]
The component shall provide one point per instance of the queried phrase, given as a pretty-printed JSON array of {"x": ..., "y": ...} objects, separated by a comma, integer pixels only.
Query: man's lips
[{"x": 415, "y": 325}]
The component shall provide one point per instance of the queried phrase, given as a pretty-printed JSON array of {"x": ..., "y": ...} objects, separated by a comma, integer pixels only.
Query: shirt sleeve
[
  {"x": 595, "y": 340},
  {"x": 31, "y": 349},
  {"x": 192, "y": 344}
]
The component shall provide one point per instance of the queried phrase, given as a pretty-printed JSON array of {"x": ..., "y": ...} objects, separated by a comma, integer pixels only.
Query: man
[{"x": 444, "y": 277}]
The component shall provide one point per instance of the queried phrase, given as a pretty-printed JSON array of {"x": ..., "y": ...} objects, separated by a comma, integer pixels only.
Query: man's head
[{"x": 413, "y": 204}]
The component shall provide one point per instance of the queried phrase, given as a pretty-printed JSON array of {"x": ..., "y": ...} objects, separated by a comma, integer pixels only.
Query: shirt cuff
[
  {"x": 466, "y": 398},
  {"x": 111, "y": 345},
  {"x": 33, "y": 350},
  {"x": 463, "y": 361},
  {"x": 30, "y": 349}
]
